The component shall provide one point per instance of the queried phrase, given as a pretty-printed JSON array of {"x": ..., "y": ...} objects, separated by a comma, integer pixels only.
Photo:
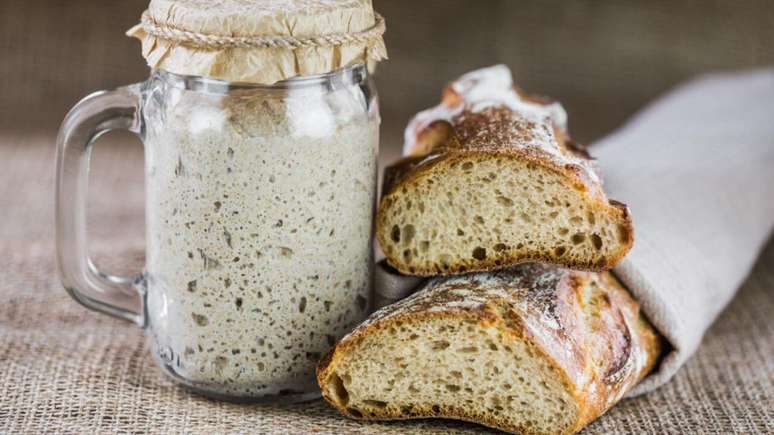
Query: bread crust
[{"x": 598, "y": 342}]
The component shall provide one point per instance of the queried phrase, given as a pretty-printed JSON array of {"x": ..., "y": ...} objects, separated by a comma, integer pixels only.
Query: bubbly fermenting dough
[{"x": 259, "y": 225}]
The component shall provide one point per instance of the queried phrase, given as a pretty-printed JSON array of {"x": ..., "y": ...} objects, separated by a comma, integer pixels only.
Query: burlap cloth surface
[{"x": 66, "y": 369}]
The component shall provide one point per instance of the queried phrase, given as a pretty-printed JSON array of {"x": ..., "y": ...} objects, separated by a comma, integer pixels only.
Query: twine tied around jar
[{"x": 368, "y": 37}]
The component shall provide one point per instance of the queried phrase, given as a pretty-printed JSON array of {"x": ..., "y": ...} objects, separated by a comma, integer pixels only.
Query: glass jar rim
[{"x": 349, "y": 75}]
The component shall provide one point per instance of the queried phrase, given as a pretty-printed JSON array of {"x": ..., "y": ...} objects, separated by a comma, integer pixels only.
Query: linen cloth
[
  {"x": 696, "y": 168},
  {"x": 697, "y": 171}
]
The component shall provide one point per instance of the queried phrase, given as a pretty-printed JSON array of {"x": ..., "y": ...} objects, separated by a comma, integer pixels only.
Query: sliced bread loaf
[
  {"x": 492, "y": 180},
  {"x": 536, "y": 349}
]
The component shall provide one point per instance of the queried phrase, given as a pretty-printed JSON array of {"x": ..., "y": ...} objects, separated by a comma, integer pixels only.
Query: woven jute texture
[{"x": 64, "y": 369}]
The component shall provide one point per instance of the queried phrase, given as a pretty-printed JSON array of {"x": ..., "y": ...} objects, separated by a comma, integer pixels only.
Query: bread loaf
[
  {"x": 536, "y": 349},
  {"x": 492, "y": 180}
]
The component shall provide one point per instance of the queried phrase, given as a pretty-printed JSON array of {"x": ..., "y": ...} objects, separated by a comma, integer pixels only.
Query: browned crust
[
  {"x": 412, "y": 170},
  {"x": 432, "y": 135},
  {"x": 618, "y": 346},
  {"x": 620, "y": 337}
]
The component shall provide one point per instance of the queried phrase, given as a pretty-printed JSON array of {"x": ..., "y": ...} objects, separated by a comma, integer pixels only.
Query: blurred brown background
[{"x": 603, "y": 59}]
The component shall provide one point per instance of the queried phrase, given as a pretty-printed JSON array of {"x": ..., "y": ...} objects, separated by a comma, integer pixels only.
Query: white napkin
[{"x": 696, "y": 168}]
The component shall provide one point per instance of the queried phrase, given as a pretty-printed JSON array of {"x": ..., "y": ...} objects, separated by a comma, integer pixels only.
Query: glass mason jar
[{"x": 259, "y": 216}]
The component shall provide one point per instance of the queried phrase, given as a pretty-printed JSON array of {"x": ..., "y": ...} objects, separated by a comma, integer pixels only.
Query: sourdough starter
[{"x": 259, "y": 234}]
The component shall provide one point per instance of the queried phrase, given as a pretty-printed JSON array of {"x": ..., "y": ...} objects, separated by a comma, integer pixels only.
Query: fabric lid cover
[{"x": 259, "y": 41}]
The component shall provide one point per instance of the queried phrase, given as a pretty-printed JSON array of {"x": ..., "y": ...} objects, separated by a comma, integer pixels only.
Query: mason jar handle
[{"x": 95, "y": 115}]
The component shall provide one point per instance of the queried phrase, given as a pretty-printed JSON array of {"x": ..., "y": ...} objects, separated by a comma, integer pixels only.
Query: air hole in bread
[
  {"x": 337, "y": 390},
  {"x": 479, "y": 253},
  {"x": 505, "y": 201},
  {"x": 559, "y": 251},
  {"x": 596, "y": 241},
  {"x": 479, "y": 220},
  {"x": 355, "y": 412},
  {"x": 424, "y": 246},
  {"x": 453, "y": 388},
  {"x": 440, "y": 345},
  {"x": 375, "y": 403},
  {"x": 395, "y": 234},
  {"x": 578, "y": 238},
  {"x": 468, "y": 349},
  {"x": 467, "y": 166},
  {"x": 500, "y": 247},
  {"x": 460, "y": 232},
  {"x": 562, "y": 231},
  {"x": 408, "y": 233}
]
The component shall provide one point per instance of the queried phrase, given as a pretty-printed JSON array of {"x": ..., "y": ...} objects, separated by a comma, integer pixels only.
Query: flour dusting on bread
[{"x": 477, "y": 90}]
